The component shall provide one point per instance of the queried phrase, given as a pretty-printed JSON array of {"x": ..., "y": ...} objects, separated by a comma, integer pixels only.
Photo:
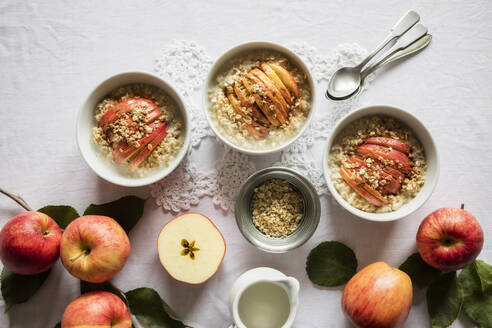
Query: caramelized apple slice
[
  {"x": 122, "y": 152},
  {"x": 394, "y": 173},
  {"x": 389, "y": 142},
  {"x": 348, "y": 178},
  {"x": 147, "y": 149},
  {"x": 234, "y": 103},
  {"x": 375, "y": 193},
  {"x": 253, "y": 131},
  {"x": 243, "y": 119},
  {"x": 286, "y": 78},
  {"x": 402, "y": 162},
  {"x": 264, "y": 105},
  {"x": 389, "y": 186},
  {"x": 273, "y": 89},
  {"x": 245, "y": 103},
  {"x": 277, "y": 106},
  {"x": 123, "y": 107},
  {"x": 387, "y": 169},
  {"x": 110, "y": 115},
  {"x": 153, "y": 115},
  {"x": 278, "y": 83}
]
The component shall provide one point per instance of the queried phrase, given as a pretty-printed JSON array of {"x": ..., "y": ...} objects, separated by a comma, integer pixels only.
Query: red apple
[
  {"x": 449, "y": 239},
  {"x": 30, "y": 243},
  {"x": 378, "y": 296},
  {"x": 97, "y": 309},
  {"x": 94, "y": 248}
]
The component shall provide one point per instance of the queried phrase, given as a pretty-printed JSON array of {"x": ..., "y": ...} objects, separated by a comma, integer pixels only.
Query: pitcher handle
[{"x": 294, "y": 286}]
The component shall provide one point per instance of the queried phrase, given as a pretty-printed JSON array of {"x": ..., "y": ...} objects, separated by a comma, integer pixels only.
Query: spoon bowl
[{"x": 344, "y": 83}]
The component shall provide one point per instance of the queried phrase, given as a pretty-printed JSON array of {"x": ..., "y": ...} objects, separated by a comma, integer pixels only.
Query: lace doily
[{"x": 185, "y": 64}]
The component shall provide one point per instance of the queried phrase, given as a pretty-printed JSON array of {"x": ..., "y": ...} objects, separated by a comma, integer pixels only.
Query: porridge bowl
[
  {"x": 133, "y": 129},
  {"x": 380, "y": 163},
  {"x": 259, "y": 97}
]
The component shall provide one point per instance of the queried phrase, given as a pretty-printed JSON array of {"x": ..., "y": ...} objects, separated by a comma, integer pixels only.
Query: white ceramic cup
[{"x": 262, "y": 275}]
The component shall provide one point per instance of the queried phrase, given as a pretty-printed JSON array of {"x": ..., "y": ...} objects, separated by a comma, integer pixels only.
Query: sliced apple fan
[
  {"x": 136, "y": 152},
  {"x": 272, "y": 91},
  {"x": 380, "y": 159}
]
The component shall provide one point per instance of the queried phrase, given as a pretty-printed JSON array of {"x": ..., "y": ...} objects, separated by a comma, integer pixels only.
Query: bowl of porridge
[
  {"x": 133, "y": 129},
  {"x": 259, "y": 97},
  {"x": 381, "y": 163}
]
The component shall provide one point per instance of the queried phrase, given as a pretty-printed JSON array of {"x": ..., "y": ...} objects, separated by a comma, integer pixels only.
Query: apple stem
[
  {"x": 462, "y": 206},
  {"x": 18, "y": 199}
]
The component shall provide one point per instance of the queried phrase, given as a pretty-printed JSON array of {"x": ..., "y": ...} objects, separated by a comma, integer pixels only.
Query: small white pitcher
[{"x": 264, "y": 274}]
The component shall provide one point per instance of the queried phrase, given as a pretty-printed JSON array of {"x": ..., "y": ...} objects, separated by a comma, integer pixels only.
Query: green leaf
[
  {"x": 421, "y": 273},
  {"x": 443, "y": 300},
  {"x": 58, "y": 325},
  {"x": 331, "y": 263},
  {"x": 86, "y": 287},
  {"x": 18, "y": 288},
  {"x": 484, "y": 272},
  {"x": 126, "y": 210},
  {"x": 477, "y": 305},
  {"x": 62, "y": 214},
  {"x": 149, "y": 308}
]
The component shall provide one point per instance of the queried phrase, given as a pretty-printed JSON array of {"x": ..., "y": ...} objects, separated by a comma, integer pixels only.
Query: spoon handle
[
  {"x": 416, "y": 33},
  {"x": 416, "y": 46},
  {"x": 401, "y": 27}
]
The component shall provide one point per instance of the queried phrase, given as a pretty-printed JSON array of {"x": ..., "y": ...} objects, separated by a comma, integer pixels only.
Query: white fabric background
[{"x": 52, "y": 54}]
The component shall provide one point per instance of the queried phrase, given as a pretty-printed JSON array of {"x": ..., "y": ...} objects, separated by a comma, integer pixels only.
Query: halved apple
[
  {"x": 191, "y": 248},
  {"x": 286, "y": 78}
]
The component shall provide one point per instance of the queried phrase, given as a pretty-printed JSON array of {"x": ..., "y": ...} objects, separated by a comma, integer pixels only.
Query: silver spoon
[{"x": 346, "y": 81}]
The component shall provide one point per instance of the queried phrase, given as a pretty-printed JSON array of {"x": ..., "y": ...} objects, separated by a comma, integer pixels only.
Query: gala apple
[
  {"x": 30, "y": 243},
  {"x": 378, "y": 296},
  {"x": 94, "y": 248},
  {"x": 449, "y": 239},
  {"x": 97, "y": 309}
]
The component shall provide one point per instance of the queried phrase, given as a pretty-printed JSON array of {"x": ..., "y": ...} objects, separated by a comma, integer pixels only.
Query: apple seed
[{"x": 189, "y": 248}]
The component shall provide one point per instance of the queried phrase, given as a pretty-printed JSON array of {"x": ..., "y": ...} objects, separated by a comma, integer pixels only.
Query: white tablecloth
[{"x": 53, "y": 53}]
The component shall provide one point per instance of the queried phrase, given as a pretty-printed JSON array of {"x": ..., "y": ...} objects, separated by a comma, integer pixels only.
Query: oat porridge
[
  {"x": 277, "y": 208},
  {"x": 138, "y": 127},
  {"x": 261, "y": 101},
  {"x": 377, "y": 164}
]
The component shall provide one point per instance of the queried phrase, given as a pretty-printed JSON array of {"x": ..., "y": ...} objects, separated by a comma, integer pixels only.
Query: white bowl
[
  {"x": 422, "y": 134},
  {"x": 91, "y": 153},
  {"x": 242, "y": 49}
]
